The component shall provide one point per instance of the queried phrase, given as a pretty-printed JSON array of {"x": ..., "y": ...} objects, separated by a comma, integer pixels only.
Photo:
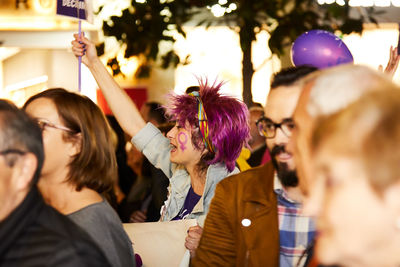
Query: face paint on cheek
[{"x": 182, "y": 139}]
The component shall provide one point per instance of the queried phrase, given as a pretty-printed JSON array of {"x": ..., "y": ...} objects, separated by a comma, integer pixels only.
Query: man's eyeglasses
[
  {"x": 43, "y": 124},
  {"x": 12, "y": 151},
  {"x": 267, "y": 128}
]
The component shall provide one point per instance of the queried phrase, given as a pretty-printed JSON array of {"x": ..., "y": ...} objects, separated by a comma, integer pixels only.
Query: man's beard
[{"x": 288, "y": 178}]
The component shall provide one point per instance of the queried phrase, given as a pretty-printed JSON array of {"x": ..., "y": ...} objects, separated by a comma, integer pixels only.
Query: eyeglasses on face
[
  {"x": 12, "y": 151},
  {"x": 268, "y": 128},
  {"x": 43, "y": 124}
]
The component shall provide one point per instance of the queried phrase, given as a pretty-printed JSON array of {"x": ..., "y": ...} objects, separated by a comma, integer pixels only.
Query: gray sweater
[{"x": 103, "y": 225}]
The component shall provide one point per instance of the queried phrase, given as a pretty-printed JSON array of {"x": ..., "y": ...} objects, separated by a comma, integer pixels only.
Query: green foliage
[
  {"x": 285, "y": 20},
  {"x": 143, "y": 26}
]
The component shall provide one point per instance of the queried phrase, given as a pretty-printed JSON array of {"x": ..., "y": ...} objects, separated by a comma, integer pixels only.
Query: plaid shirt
[{"x": 295, "y": 230}]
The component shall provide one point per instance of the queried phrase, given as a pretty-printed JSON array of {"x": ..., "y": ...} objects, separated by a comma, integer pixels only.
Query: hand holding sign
[
  {"x": 83, "y": 47},
  {"x": 193, "y": 239}
]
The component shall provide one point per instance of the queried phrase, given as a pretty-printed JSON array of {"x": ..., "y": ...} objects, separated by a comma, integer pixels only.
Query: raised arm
[
  {"x": 118, "y": 100},
  {"x": 394, "y": 59}
]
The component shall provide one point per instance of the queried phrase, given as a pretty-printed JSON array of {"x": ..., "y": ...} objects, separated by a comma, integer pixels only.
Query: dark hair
[
  {"x": 192, "y": 89},
  {"x": 256, "y": 104},
  {"x": 95, "y": 165},
  {"x": 288, "y": 76},
  {"x": 19, "y": 131},
  {"x": 156, "y": 112}
]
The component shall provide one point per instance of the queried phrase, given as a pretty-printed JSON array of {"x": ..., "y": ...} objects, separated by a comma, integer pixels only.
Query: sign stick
[
  {"x": 79, "y": 62},
  {"x": 80, "y": 58}
]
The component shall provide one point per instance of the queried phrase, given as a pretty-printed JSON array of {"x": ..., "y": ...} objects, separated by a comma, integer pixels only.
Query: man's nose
[{"x": 281, "y": 137}]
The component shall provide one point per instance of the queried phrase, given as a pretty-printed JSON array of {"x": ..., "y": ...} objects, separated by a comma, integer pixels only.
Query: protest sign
[
  {"x": 161, "y": 244},
  {"x": 80, "y": 9}
]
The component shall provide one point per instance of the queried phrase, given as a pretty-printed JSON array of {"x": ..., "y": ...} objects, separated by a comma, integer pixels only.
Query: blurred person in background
[
  {"x": 356, "y": 154},
  {"x": 258, "y": 147},
  {"x": 146, "y": 198},
  {"x": 147, "y": 195},
  {"x": 326, "y": 92},
  {"x": 126, "y": 176}
]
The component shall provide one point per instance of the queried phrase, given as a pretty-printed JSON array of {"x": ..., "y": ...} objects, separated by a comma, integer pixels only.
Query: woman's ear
[
  {"x": 24, "y": 170},
  {"x": 76, "y": 145},
  {"x": 205, "y": 150}
]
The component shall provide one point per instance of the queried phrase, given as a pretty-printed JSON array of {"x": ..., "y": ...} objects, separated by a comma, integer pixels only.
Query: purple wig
[{"x": 227, "y": 121}]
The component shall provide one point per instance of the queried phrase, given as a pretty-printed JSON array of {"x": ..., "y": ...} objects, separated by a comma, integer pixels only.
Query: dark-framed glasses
[
  {"x": 12, "y": 151},
  {"x": 44, "y": 123},
  {"x": 268, "y": 128}
]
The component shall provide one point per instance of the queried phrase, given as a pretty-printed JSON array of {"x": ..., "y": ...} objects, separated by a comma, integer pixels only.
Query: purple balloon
[{"x": 320, "y": 49}]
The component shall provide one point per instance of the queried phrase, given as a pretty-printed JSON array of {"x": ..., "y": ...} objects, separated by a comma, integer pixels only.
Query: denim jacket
[{"x": 156, "y": 147}]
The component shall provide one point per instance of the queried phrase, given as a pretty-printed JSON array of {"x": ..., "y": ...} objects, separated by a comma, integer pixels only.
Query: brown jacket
[{"x": 226, "y": 241}]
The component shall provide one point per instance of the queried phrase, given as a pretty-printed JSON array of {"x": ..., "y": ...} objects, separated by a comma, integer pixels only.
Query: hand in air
[
  {"x": 83, "y": 47},
  {"x": 393, "y": 63}
]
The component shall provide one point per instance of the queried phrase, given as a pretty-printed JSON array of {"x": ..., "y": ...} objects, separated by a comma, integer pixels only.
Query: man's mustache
[{"x": 277, "y": 149}]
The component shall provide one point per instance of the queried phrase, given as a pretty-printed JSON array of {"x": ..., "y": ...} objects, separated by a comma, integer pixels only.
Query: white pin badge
[{"x": 246, "y": 222}]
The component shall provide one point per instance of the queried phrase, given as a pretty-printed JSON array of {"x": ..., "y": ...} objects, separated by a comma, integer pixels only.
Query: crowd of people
[{"x": 310, "y": 179}]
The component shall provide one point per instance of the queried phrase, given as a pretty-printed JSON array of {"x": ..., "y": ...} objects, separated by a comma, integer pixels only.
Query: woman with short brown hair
[{"x": 79, "y": 167}]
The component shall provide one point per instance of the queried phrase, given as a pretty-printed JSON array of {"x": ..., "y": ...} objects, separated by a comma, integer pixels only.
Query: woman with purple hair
[{"x": 197, "y": 153}]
